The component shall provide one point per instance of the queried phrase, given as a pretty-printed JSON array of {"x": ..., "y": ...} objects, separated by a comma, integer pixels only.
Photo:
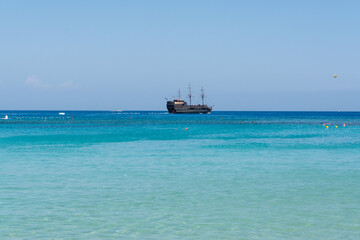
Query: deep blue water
[{"x": 142, "y": 175}]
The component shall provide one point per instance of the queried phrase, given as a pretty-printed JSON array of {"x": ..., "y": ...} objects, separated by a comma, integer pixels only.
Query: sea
[{"x": 154, "y": 175}]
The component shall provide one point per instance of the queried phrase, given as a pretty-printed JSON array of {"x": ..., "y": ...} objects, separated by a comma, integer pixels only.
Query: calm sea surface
[{"x": 141, "y": 175}]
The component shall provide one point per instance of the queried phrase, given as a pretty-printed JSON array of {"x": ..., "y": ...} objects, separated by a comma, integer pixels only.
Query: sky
[{"x": 131, "y": 55}]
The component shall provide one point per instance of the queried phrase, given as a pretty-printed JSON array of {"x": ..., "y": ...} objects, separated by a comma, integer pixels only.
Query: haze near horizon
[{"x": 131, "y": 55}]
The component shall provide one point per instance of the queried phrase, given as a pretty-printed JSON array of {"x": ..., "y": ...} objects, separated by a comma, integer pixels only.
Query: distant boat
[
  {"x": 180, "y": 106},
  {"x": 119, "y": 110},
  {"x": 61, "y": 113},
  {"x": 6, "y": 117}
]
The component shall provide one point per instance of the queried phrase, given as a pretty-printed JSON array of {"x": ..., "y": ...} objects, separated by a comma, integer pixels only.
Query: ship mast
[
  {"x": 190, "y": 95},
  {"x": 202, "y": 95},
  {"x": 179, "y": 94}
]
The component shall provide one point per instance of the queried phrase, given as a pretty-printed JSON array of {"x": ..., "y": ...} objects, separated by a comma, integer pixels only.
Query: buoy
[
  {"x": 344, "y": 125},
  {"x": 186, "y": 129},
  {"x": 335, "y": 76},
  {"x": 327, "y": 126},
  {"x": 335, "y": 126},
  {"x": 221, "y": 118}
]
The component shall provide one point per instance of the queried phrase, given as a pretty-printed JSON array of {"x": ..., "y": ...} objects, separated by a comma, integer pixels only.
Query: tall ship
[{"x": 180, "y": 106}]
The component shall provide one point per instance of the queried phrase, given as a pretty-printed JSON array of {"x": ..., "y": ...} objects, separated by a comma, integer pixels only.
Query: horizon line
[{"x": 57, "y": 110}]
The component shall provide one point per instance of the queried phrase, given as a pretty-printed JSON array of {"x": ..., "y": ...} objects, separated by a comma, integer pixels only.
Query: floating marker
[
  {"x": 186, "y": 129},
  {"x": 327, "y": 126},
  {"x": 335, "y": 126},
  {"x": 335, "y": 76}
]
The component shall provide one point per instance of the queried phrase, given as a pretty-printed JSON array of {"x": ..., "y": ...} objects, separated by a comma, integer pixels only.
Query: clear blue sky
[{"x": 248, "y": 55}]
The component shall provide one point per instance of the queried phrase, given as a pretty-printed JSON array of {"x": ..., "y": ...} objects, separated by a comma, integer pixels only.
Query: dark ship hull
[{"x": 182, "y": 107}]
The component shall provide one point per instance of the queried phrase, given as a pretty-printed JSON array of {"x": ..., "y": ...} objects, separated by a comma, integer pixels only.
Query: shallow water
[{"x": 141, "y": 175}]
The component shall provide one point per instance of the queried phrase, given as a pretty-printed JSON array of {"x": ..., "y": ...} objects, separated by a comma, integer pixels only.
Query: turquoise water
[{"x": 141, "y": 175}]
